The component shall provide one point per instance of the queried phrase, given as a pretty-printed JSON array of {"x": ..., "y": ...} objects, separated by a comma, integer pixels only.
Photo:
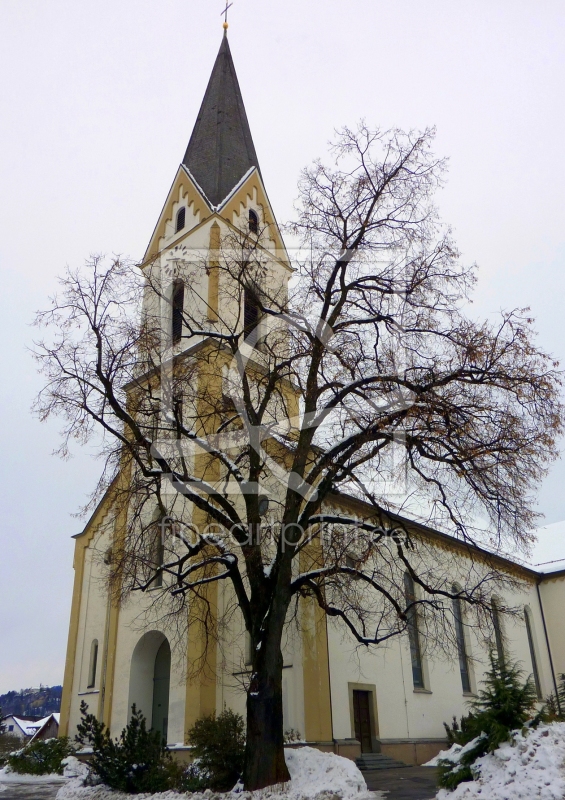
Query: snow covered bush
[
  {"x": 42, "y": 757},
  {"x": 136, "y": 762},
  {"x": 505, "y": 704},
  {"x": 219, "y": 746}
]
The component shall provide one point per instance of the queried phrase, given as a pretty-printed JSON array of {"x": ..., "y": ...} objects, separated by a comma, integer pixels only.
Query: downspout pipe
[{"x": 539, "y": 580}]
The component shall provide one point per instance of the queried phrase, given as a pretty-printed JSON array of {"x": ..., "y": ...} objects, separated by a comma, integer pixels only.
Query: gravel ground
[
  {"x": 409, "y": 783},
  {"x": 28, "y": 791}
]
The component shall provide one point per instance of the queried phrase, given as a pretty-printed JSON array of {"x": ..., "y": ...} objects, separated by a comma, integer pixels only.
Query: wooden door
[{"x": 362, "y": 720}]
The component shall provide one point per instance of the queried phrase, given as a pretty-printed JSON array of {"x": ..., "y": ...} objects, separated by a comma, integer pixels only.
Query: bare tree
[{"x": 367, "y": 370}]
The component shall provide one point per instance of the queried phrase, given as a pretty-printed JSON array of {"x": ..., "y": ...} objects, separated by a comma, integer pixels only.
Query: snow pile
[
  {"x": 313, "y": 776},
  {"x": 531, "y": 768},
  {"x": 73, "y": 768},
  {"x": 312, "y": 772}
]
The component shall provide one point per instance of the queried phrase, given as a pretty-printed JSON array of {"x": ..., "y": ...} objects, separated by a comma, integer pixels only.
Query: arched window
[
  {"x": 498, "y": 635},
  {"x": 92, "y": 664},
  {"x": 531, "y": 645},
  {"x": 181, "y": 219},
  {"x": 461, "y": 644},
  {"x": 253, "y": 222},
  {"x": 413, "y": 633},
  {"x": 178, "y": 306}
]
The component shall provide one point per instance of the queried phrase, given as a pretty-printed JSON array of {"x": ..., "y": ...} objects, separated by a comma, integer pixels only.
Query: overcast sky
[{"x": 98, "y": 101}]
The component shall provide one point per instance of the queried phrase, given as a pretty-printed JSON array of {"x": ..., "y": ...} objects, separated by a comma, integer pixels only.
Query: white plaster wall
[
  {"x": 552, "y": 592},
  {"x": 404, "y": 712},
  {"x": 92, "y": 624}
]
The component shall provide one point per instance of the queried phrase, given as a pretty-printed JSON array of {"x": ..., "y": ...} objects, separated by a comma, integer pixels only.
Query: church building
[{"x": 391, "y": 699}]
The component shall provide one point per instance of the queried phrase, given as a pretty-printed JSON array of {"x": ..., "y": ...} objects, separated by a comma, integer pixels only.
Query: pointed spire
[{"x": 220, "y": 150}]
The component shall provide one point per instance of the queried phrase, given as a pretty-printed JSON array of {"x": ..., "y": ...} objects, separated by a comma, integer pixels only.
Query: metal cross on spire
[{"x": 225, "y": 13}]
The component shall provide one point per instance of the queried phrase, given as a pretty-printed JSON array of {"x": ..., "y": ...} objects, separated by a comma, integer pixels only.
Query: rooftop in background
[{"x": 548, "y": 554}]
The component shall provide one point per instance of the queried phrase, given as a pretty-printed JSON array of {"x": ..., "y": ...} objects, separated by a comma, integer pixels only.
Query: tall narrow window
[
  {"x": 250, "y": 310},
  {"x": 529, "y": 629},
  {"x": 461, "y": 644},
  {"x": 498, "y": 637},
  {"x": 253, "y": 222},
  {"x": 181, "y": 219},
  {"x": 92, "y": 664},
  {"x": 248, "y": 655},
  {"x": 158, "y": 554},
  {"x": 178, "y": 306},
  {"x": 413, "y": 633}
]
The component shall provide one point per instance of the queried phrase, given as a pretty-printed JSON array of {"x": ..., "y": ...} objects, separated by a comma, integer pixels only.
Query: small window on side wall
[
  {"x": 92, "y": 664},
  {"x": 531, "y": 645},
  {"x": 253, "y": 222},
  {"x": 461, "y": 643},
  {"x": 181, "y": 219},
  {"x": 413, "y": 632},
  {"x": 498, "y": 635}
]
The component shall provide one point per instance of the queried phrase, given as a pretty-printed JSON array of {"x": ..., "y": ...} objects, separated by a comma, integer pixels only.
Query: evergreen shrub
[
  {"x": 505, "y": 704},
  {"x": 42, "y": 757},
  {"x": 136, "y": 762},
  {"x": 219, "y": 746}
]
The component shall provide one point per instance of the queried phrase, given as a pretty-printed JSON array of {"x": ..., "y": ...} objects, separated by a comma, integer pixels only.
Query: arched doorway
[
  {"x": 150, "y": 677},
  {"x": 161, "y": 682}
]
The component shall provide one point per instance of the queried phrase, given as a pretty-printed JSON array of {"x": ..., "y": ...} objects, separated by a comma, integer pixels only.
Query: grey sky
[{"x": 99, "y": 100}]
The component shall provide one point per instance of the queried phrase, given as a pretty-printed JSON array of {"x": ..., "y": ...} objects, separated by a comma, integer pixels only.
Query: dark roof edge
[{"x": 451, "y": 540}]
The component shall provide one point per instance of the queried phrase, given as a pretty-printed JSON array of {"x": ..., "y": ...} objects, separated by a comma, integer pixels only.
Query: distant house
[{"x": 28, "y": 728}]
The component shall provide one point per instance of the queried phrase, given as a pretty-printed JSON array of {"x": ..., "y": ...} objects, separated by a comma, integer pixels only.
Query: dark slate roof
[{"x": 220, "y": 150}]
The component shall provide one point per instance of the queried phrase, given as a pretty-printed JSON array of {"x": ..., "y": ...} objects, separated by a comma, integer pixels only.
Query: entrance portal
[
  {"x": 161, "y": 682},
  {"x": 150, "y": 677}
]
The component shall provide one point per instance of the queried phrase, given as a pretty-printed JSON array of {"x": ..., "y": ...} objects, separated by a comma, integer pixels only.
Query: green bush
[
  {"x": 219, "y": 747},
  {"x": 504, "y": 705},
  {"x": 136, "y": 762},
  {"x": 8, "y": 744},
  {"x": 555, "y": 706},
  {"x": 42, "y": 757}
]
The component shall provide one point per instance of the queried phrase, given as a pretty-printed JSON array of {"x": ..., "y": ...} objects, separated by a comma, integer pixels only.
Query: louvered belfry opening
[
  {"x": 178, "y": 306},
  {"x": 250, "y": 310},
  {"x": 253, "y": 222},
  {"x": 181, "y": 219}
]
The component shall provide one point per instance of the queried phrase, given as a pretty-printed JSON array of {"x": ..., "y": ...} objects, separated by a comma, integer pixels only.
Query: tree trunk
[{"x": 264, "y": 749}]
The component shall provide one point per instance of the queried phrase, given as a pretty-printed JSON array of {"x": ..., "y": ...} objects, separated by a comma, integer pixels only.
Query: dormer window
[
  {"x": 253, "y": 222},
  {"x": 181, "y": 219}
]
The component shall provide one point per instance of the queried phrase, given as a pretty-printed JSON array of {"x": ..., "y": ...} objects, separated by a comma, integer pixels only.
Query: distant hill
[{"x": 32, "y": 702}]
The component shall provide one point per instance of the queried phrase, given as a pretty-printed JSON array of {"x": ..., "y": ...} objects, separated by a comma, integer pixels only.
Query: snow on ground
[
  {"x": 7, "y": 776},
  {"x": 313, "y": 776},
  {"x": 531, "y": 768}
]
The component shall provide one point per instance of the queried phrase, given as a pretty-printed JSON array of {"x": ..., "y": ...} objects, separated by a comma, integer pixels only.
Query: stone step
[{"x": 371, "y": 761}]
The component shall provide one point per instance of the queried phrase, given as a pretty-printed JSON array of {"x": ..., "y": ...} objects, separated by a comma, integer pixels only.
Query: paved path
[
  {"x": 408, "y": 783},
  {"x": 28, "y": 791}
]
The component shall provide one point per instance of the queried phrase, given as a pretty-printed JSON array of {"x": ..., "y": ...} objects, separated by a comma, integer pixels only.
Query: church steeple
[{"x": 221, "y": 150}]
